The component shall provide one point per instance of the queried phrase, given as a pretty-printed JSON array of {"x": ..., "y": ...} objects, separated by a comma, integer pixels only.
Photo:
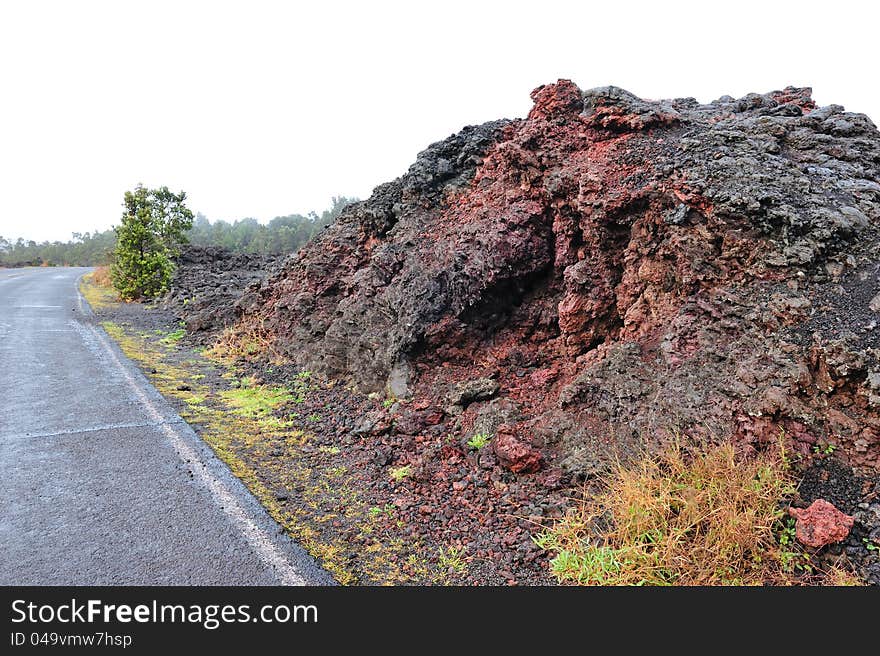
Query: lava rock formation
[{"x": 619, "y": 270}]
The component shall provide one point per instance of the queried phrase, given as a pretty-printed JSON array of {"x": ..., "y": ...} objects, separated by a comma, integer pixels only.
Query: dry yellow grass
[
  {"x": 101, "y": 276},
  {"x": 708, "y": 519},
  {"x": 246, "y": 340},
  {"x": 98, "y": 296}
]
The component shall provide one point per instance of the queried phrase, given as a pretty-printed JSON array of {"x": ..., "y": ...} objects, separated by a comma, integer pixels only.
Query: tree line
[{"x": 283, "y": 234}]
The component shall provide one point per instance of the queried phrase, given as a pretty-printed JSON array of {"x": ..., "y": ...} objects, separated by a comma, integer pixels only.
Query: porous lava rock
[
  {"x": 821, "y": 524},
  {"x": 621, "y": 268},
  {"x": 207, "y": 283}
]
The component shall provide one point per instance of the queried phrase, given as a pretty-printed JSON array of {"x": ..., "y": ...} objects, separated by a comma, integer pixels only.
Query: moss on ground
[
  {"x": 99, "y": 296},
  {"x": 244, "y": 422}
]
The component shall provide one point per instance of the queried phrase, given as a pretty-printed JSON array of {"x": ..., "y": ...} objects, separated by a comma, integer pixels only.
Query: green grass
[
  {"x": 388, "y": 509},
  {"x": 173, "y": 337},
  {"x": 400, "y": 473}
]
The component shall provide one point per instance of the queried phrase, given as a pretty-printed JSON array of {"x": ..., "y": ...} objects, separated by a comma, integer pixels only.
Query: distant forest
[{"x": 283, "y": 234}]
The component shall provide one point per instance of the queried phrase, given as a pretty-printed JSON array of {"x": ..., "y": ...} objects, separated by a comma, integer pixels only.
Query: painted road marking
[
  {"x": 39, "y": 306},
  {"x": 92, "y": 429},
  {"x": 10, "y": 277},
  {"x": 262, "y": 545}
]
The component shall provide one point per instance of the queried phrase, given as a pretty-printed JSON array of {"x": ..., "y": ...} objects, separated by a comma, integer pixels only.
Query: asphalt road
[{"x": 102, "y": 482}]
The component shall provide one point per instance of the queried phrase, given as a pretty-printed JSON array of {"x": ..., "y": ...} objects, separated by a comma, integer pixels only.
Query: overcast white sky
[{"x": 268, "y": 108}]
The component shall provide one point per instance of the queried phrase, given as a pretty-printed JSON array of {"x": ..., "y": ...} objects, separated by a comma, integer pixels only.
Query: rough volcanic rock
[
  {"x": 468, "y": 391},
  {"x": 622, "y": 268},
  {"x": 514, "y": 453},
  {"x": 208, "y": 282},
  {"x": 821, "y": 524}
]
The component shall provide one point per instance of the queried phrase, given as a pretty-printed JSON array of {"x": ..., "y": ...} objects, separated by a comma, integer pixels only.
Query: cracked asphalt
[{"x": 102, "y": 482}]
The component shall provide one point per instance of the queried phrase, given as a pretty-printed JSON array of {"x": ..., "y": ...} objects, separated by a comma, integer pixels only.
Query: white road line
[
  {"x": 262, "y": 545},
  {"x": 39, "y": 306},
  {"x": 89, "y": 429}
]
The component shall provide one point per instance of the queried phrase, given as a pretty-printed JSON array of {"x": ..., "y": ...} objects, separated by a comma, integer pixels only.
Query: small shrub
[
  {"x": 479, "y": 440},
  {"x": 388, "y": 509},
  {"x": 824, "y": 449},
  {"x": 452, "y": 558},
  {"x": 149, "y": 235}
]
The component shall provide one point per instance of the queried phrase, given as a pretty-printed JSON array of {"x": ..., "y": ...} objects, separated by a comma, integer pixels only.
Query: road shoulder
[{"x": 273, "y": 435}]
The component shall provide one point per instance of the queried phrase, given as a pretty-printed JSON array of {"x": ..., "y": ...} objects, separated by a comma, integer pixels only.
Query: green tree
[{"x": 152, "y": 230}]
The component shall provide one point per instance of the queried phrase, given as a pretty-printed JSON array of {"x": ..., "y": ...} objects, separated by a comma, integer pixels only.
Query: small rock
[
  {"x": 478, "y": 389},
  {"x": 514, "y": 453},
  {"x": 875, "y": 304},
  {"x": 366, "y": 425},
  {"x": 398, "y": 380},
  {"x": 382, "y": 456},
  {"x": 821, "y": 524},
  {"x": 433, "y": 417},
  {"x": 486, "y": 460}
]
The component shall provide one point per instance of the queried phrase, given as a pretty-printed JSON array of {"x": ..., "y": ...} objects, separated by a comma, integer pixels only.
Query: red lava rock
[
  {"x": 414, "y": 422},
  {"x": 552, "y": 478},
  {"x": 452, "y": 454},
  {"x": 585, "y": 276},
  {"x": 515, "y": 454},
  {"x": 821, "y": 524},
  {"x": 558, "y": 99},
  {"x": 615, "y": 262},
  {"x": 543, "y": 377},
  {"x": 433, "y": 418}
]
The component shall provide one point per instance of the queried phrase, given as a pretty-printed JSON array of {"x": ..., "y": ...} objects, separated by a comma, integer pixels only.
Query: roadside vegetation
[
  {"x": 262, "y": 432},
  {"x": 709, "y": 518},
  {"x": 283, "y": 234},
  {"x": 148, "y": 238}
]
